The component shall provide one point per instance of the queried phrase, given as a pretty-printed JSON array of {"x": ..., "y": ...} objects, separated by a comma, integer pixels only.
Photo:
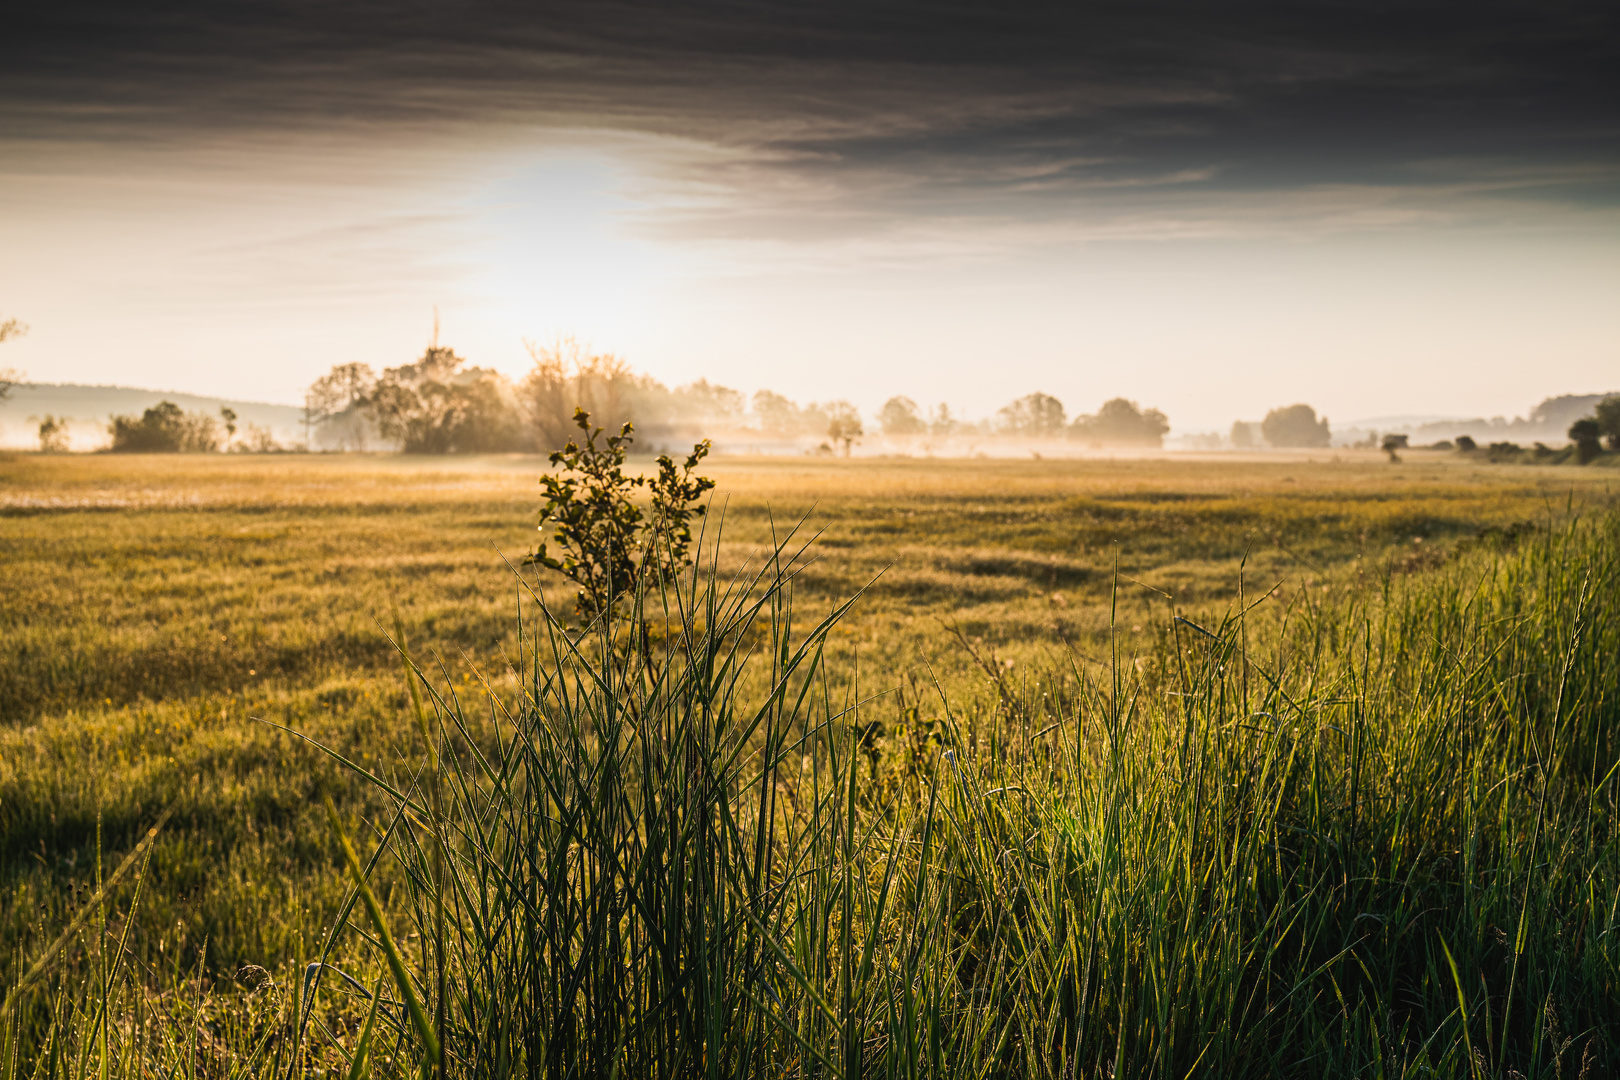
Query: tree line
[{"x": 440, "y": 404}]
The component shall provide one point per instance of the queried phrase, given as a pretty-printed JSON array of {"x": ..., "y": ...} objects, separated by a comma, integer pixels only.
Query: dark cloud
[{"x": 928, "y": 104}]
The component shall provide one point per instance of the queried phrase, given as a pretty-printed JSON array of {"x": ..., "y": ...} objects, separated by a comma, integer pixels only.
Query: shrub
[
  {"x": 1586, "y": 434},
  {"x": 165, "y": 428},
  {"x": 606, "y": 544},
  {"x": 53, "y": 434}
]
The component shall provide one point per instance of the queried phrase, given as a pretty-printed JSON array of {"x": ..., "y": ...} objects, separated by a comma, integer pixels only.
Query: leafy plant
[{"x": 606, "y": 543}]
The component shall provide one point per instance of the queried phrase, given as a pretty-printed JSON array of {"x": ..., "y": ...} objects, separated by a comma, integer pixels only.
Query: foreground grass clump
[{"x": 1371, "y": 837}]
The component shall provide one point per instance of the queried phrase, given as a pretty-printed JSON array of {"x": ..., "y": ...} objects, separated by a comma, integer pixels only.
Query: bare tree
[{"x": 9, "y": 377}]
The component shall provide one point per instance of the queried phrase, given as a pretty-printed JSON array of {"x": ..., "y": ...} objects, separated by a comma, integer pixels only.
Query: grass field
[{"x": 154, "y": 606}]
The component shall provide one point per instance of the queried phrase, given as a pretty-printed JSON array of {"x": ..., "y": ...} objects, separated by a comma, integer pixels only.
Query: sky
[{"x": 1378, "y": 209}]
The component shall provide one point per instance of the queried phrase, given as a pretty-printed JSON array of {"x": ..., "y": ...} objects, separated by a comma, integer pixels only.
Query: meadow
[{"x": 1283, "y": 765}]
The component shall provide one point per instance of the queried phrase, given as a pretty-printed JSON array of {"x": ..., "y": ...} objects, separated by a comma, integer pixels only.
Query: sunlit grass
[{"x": 126, "y": 604}]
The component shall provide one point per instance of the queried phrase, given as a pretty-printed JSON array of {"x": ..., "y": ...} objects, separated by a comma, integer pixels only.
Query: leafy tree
[
  {"x": 337, "y": 402},
  {"x": 53, "y": 434},
  {"x": 1122, "y": 422},
  {"x": 434, "y": 406},
  {"x": 1035, "y": 415},
  {"x": 1587, "y": 434},
  {"x": 843, "y": 424},
  {"x": 1607, "y": 415},
  {"x": 900, "y": 416},
  {"x": 1295, "y": 426},
  {"x": 603, "y": 541},
  {"x": 1393, "y": 445},
  {"x": 942, "y": 423},
  {"x": 343, "y": 388},
  {"x": 1466, "y": 444},
  {"x": 1242, "y": 435},
  {"x": 165, "y": 428},
  {"x": 227, "y": 416}
]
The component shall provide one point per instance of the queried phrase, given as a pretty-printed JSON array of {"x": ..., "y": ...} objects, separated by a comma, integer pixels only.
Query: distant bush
[
  {"x": 1295, "y": 426},
  {"x": 257, "y": 440},
  {"x": 53, "y": 434},
  {"x": 1587, "y": 437},
  {"x": 1466, "y": 444},
  {"x": 1122, "y": 422},
  {"x": 165, "y": 428},
  {"x": 1606, "y": 414},
  {"x": 1504, "y": 451}
]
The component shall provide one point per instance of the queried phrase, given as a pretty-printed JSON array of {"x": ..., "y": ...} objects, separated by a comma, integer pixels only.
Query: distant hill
[
  {"x": 1548, "y": 422},
  {"x": 88, "y": 407}
]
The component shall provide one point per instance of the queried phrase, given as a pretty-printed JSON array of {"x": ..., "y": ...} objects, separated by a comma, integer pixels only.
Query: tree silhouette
[
  {"x": 844, "y": 424},
  {"x": 900, "y": 416},
  {"x": 1036, "y": 415},
  {"x": 1607, "y": 415},
  {"x": 1587, "y": 435},
  {"x": 1295, "y": 426},
  {"x": 1122, "y": 422}
]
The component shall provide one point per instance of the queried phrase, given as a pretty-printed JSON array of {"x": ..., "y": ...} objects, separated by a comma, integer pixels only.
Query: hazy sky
[{"x": 1379, "y": 209}]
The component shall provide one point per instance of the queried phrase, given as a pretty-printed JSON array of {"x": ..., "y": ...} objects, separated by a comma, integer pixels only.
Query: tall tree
[
  {"x": 1037, "y": 416},
  {"x": 900, "y": 416},
  {"x": 843, "y": 424}
]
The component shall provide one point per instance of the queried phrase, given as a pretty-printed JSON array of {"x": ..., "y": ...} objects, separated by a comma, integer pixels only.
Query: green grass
[{"x": 1138, "y": 851}]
